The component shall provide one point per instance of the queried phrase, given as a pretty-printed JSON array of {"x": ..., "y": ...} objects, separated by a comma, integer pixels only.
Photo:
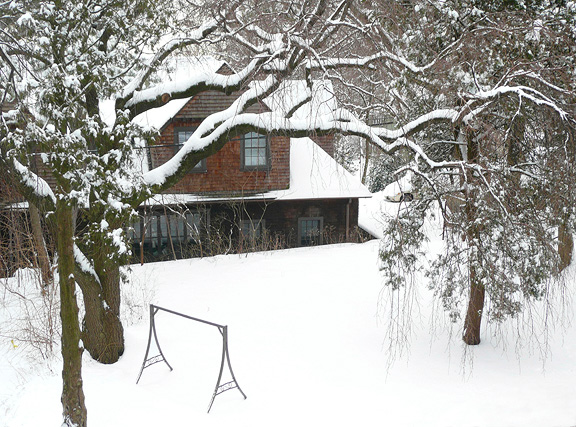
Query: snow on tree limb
[
  {"x": 328, "y": 63},
  {"x": 84, "y": 264},
  {"x": 526, "y": 92},
  {"x": 175, "y": 44},
  {"x": 230, "y": 122},
  {"x": 199, "y": 82},
  {"x": 38, "y": 189},
  {"x": 34, "y": 185}
]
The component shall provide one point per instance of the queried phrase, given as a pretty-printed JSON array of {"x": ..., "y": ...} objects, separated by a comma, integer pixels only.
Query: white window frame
[{"x": 262, "y": 152}]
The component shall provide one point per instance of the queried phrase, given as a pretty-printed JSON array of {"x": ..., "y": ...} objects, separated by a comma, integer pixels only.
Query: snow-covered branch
[
  {"x": 218, "y": 128},
  {"x": 195, "y": 37},
  {"x": 196, "y": 83},
  {"x": 84, "y": 265},
  {"x": 525, "y": 92},
  {"x": 34, "y": 186},
  {"x": 365, "y": 61}
]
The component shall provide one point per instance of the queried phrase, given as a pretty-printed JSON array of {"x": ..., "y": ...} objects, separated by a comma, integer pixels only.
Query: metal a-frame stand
[{"x": 223, "y": 329}]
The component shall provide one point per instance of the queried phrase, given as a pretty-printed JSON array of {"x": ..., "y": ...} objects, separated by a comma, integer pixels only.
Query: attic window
[
  {"x": 255, "y": 152},
  {"x": 181, "y": 135}
]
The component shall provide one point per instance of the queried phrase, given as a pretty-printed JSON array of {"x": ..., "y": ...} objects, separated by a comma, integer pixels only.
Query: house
[{"x": 258, "y": 192}]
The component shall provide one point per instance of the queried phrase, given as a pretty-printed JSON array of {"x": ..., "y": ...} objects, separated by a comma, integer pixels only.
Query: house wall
[
  {"x": 326, "y": 142},
  {"x": 283, "y": 217},
  {"x": 43, "y": 171},
  {"x": 224, "y": 174},
  {"x": 221, "y": 226},
  {"x": 8, "y": 193}
]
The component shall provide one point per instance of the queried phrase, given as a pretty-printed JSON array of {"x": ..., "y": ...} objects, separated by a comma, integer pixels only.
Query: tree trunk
[
  {"x": 102, "y": 331},
  {"x": 565, "y": 246},
  {"x": 74, "y": 409},
  {"x": 365, "y": 169},
  {"x": 473, "y": 319},
  {"x": 40, "y": 246}
]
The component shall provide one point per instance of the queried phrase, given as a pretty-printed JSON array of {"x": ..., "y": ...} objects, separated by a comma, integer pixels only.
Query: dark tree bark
[
  {"x": 565, "y": 246},
  {"x": 40, "y": 246},
  {"x": 74, "y": 409},
  {"x": 102, "y": 331},
  {"x": 473, "y": 319}
]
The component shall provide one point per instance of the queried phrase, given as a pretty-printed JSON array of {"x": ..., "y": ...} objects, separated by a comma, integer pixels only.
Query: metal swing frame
[{"x": 223, "y": 329}]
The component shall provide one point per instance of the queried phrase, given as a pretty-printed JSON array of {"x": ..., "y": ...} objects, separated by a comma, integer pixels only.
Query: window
[
  {"x": 252, "y": 230},
  {"x": 194, "y": 224},
  {"x": 255, "y": 152},
  {"x": 181, "y": 135},
  {"x": 310, "y": 231},
  {"x": 159, "y": 229}
]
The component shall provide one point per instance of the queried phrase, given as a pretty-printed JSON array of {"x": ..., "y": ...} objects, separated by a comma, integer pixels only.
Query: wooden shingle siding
[
  {"x": 326, "y": 142},
  {"x": 224, "y": 174},
  {"x": 209, "y": 102},
  {"x": 164, "y": 148},
  {"x": 43, "y": 171},
  {"x": 7, "y": 106}
]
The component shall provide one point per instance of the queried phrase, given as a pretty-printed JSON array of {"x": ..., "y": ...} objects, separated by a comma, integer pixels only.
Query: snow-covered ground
[{"x": 307, "y": 347}]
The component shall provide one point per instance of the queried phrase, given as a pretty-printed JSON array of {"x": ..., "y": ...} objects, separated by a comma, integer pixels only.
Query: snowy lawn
[{"x": 307, "y": 347}]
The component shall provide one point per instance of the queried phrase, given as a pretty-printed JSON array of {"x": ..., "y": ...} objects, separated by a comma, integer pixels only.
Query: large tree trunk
[
  {"x": 74, "y": 409},
  {"x": 102, "y": 331},
  {"x": 473, "y": 319}
]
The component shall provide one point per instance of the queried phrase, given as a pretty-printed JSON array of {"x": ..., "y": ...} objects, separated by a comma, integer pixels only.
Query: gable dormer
[{"x": 252, "y": 163}]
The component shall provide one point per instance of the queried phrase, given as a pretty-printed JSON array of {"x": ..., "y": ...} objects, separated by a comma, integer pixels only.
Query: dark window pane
[{"x": 310, "y": 231}]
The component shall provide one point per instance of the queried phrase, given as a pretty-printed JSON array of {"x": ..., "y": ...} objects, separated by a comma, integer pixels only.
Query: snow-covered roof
[
  {"x": 157, "y": 117},
  {"x": 313, "y": 175},
  {"x": 179, "y": 69},
  {"x": 293, "y": 97},
  {"x": 372, "y": 212},
  {"x": 317, "y": 100},
  {"x": 316, "y": 175}
]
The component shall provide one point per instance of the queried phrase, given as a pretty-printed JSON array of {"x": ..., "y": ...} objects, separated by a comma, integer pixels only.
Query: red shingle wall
[
  {"x": 326, "y": 142},
  {"x": 224, "y": 173},
  {"x": 223, "y": 169},
  {"x": 210, "y": 102},
  {"x": 43, "y": 171}
]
